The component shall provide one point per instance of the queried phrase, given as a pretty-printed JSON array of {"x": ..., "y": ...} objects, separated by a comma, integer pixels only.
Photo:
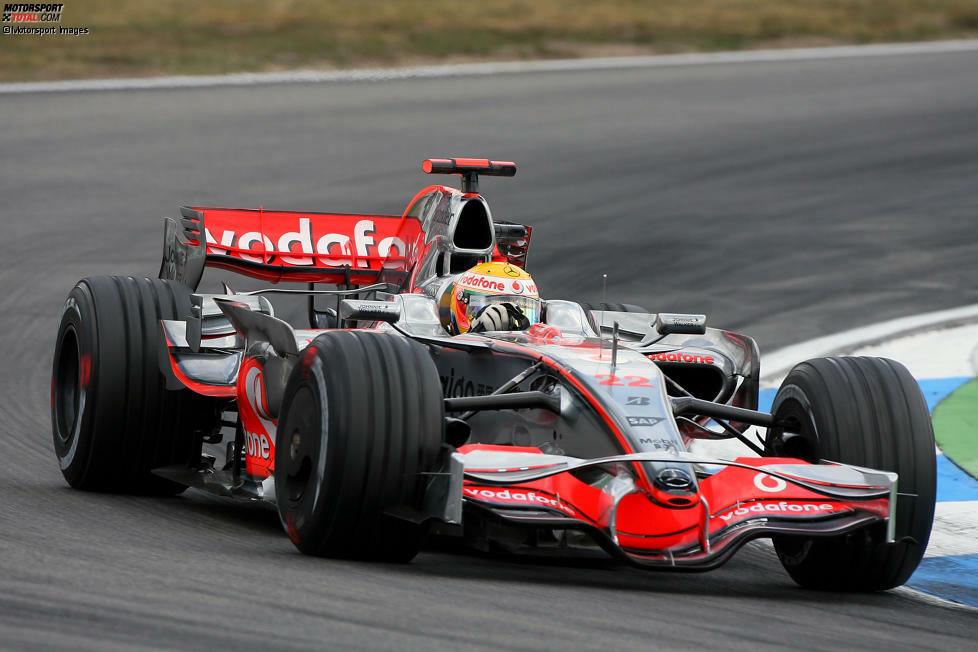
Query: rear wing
[{"x": 338, "y": 248}]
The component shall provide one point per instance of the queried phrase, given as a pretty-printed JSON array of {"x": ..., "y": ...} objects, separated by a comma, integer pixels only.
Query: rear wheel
[
  {"x": 113, "y": 420},
  {"x": 362, "y": 420},
  {"x": 867, "y": 412}
]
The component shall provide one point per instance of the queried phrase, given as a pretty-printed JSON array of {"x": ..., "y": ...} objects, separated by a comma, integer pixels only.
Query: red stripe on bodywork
[
  {"x": 581, "y": 387},
  {"x": 222, "y": 391}
]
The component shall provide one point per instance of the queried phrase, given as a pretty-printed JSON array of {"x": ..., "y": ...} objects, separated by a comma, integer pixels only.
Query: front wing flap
[{"x": 737, "y": 500}]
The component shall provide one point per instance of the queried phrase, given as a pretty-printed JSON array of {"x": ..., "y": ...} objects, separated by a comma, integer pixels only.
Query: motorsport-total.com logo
[{"x": 32, "y": 13}]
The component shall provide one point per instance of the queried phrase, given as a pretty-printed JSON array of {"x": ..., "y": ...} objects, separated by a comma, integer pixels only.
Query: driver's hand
[{"x": 499, "y": 317}]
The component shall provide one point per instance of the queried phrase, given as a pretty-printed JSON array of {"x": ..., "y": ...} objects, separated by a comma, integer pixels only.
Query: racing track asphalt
[{"x": 788, "y": 199}]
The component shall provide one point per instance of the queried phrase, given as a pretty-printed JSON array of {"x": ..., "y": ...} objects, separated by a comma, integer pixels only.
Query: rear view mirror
[
  {"x": 358, "y": 310},
  {"x": 668, "y": 323}
]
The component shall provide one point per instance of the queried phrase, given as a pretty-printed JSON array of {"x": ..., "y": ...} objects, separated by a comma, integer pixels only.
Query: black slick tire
[
  {"x": 867, "y": 412},
  {"x": 112, "y": 417},
  {"x": 362, "y": 420}
]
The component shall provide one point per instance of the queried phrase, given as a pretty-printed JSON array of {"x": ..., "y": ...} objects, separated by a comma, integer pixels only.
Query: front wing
[{"x": 736, "y": 501}]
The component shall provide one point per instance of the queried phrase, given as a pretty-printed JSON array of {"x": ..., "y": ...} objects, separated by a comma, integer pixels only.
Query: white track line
[
  {"x": 777, "y": 364},
  {"x": 481, "y": 69},
  {"x": 930, "y": 598}
]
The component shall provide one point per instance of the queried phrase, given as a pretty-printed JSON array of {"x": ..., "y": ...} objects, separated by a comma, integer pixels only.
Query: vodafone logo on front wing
[
  {"x": 782, "y": 507},
  {"x": 518, "y": 497}
]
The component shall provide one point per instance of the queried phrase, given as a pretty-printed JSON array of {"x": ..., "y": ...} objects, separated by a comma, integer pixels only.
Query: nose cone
[{"x": 674, "y": 486}]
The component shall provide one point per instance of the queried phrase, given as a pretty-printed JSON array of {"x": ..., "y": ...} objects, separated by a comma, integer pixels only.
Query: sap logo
[
  {"x": 646, "y": 422},
  {"x": 258, "y": 445}
]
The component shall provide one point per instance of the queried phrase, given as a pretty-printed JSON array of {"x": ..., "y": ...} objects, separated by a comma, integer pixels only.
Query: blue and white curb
[
  {"x": 941, "y": 351},
  {"x": 943, "y": 360}
]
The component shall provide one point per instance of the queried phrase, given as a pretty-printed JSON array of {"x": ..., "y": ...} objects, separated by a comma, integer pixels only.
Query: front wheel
[
  {"x": 362, "y": 422},
  {"x": 866, "y": 412}
]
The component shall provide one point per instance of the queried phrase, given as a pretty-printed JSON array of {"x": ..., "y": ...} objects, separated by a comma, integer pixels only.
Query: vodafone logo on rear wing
[{"x": 313, "y": 240}]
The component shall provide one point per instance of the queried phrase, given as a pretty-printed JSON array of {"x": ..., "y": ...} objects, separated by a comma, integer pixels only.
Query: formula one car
[{"x": 374, "y": 426}]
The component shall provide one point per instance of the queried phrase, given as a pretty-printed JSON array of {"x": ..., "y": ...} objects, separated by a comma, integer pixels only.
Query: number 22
[{"x": 634, "y": 381}]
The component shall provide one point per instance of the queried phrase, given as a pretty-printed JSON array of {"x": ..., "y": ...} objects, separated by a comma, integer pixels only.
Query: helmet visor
[{"x": 529, "y": 306}]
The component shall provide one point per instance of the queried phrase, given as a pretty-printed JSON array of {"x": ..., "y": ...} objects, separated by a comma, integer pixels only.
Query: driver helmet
[{"x": 487, "y": 284}]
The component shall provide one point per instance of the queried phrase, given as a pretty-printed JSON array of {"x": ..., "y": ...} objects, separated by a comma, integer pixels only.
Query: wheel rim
[
  {"x": 303, "y": 443},
  {"x": 794, "y": 434},
  {"x": 70, "y": 382}
]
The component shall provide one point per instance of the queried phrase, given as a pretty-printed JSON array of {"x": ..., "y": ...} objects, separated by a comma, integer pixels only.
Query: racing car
[{"x": 375, "y": 424}]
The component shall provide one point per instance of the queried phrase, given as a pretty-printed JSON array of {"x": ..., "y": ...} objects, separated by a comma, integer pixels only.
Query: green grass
[
  {"x": 956, "y": 427},
  {"x": 143, "y": 37}
]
